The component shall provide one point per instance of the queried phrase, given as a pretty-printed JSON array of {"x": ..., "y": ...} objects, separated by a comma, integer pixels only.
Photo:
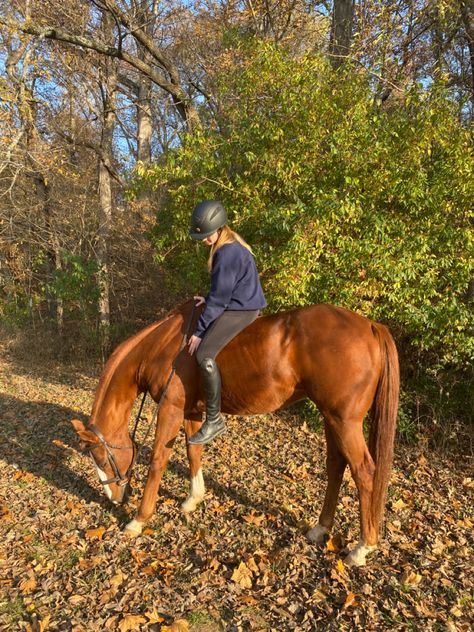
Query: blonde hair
[{"x": 226, "y": 236}]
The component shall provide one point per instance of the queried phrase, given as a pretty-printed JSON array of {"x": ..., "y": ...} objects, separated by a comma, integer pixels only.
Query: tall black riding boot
[{"x": 214, "y": 424}]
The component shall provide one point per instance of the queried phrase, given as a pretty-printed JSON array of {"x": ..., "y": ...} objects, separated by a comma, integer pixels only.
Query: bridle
[
  {"x": 120, "y": 479},
  {"x": 123, "y": 479}
]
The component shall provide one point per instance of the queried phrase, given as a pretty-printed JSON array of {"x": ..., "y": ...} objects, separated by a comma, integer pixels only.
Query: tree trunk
[
  {"x": 341, "y": 31},
  {"x": 109, "y": 89},
  {"x": 468, "y": 22}
]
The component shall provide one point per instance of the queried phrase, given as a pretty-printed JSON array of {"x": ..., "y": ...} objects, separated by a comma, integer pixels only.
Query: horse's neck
[{"x": 125, "y": 374}]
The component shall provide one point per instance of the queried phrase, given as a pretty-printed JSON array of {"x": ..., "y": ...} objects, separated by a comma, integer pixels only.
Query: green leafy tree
[{"x": 344, "y": 201}]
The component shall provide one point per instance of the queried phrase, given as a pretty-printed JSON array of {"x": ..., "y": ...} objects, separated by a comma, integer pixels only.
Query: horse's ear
[{"x": 86, "y": 436}]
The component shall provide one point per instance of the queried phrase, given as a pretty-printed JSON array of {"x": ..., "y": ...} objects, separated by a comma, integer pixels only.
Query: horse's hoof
[
  {"x": 190, "y": 504},
  {"x": 318, "y": 534},
  {"x": 357, "y": 556},
  {"x": 133, "y": 529}
]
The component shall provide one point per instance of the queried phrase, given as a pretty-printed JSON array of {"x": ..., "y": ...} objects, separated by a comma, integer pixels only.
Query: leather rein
[{"x": 123, "y": 479}]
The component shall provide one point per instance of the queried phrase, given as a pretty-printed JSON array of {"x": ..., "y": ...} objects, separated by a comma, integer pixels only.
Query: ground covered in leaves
[{"x": 241, "y": 561}]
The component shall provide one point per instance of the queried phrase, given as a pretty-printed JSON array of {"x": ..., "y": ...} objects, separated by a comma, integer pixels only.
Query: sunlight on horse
[{"x": 342, "y": 361}]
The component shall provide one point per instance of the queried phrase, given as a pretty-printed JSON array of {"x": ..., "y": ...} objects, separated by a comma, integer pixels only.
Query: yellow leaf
[
  {"x": 252, "y": 565},
  {"x": 117, "y": 579},
  {"x": 131, "y": 622},
  {"x": 350, "y": 600},
  {"x": 242, "y": 576},
  {"x": 398, "y": 504},
  {"x": 340, "y": 566},
  {"x": 411, "y": 578},
  {"x": 43, "y": 624},
  {"x": 97, "y": 534}
]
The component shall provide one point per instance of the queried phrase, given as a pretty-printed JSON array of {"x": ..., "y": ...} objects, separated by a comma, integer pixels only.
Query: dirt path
[{"x": 241, "y": 562}]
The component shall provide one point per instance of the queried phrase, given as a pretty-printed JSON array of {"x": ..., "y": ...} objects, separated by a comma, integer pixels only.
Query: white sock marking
[
  {"x": 196, "y": 493},
  {"x": 357, "y": 556},
  {"x": 317, "y": 534}
]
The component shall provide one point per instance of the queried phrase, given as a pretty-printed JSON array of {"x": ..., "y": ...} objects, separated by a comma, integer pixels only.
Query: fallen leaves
[
  {"x": 95, "y": 534},
  {"x": 243, "y": 576},
  {"x": 131, "y": 622},
  {"x": 241, "y": 560}
]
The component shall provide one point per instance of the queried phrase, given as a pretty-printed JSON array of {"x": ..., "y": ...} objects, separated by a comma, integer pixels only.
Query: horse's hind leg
[
  {"x": 335, "y": 466},
  {"x": 350, "y": 440},
  {"x": 197, "y": 489}
]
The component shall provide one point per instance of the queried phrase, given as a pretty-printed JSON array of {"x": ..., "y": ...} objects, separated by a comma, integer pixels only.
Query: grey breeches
[{"x": 222, "y": 330}]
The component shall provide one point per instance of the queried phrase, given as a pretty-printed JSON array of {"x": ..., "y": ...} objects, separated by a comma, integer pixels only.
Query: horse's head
[{"x": 113, "y": 463}]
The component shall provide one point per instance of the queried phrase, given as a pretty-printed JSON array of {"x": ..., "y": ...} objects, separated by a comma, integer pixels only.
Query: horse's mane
[{"x": 121, "y": 352}]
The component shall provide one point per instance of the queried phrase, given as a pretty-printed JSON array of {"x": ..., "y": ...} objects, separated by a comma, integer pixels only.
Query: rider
[{"x": 233, "y": 302}]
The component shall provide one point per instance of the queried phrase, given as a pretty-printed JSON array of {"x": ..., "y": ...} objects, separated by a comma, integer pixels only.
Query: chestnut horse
[{"x": 342, "y": 361}]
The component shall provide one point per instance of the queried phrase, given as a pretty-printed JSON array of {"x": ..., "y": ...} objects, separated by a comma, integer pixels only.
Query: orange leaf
[
  {"x": 96, "y": 534},
  {"x": 335, "y": 543},
  {"x": 350, "y": 600},
  {"x": 27, "y": 585}
]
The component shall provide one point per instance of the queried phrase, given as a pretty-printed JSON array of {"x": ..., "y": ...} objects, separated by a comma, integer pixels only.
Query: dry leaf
[
  {"x": 253, "y": 519},
  {"x": 335, "y": 543},
  {"x": 153, "y": 617},
  {"x": 350, "y": 600},
  {"x": 95, "y": 534},
  {"x": 28, "y": 585},
  {"x": 43, "y": 624},
  {"x": 398, "y": 505},
  {"x": 117, "y": 579},
  {"x": 131, "y": 622},
  {"x": 242, "y": 576},
  {"x": 410, "y": 578},
  {"x": 340, "y": 566}
]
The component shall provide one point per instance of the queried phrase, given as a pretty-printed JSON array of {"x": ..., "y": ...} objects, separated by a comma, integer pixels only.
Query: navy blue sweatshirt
[{"x": 234, "y": 285}]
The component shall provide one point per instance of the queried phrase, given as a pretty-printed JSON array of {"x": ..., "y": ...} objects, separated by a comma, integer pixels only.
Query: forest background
[{"x": 337, "y": 134}]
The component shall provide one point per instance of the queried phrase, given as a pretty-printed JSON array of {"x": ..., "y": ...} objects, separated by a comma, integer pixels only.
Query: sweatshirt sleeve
[{"x": 223, "y": 279}]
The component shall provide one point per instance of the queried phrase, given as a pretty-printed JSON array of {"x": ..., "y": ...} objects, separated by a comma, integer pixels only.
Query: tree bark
[
  {"x": 467, "y": 16},
  {"x": 341, "y": 31},
  {"x": 105, "y": 158}
]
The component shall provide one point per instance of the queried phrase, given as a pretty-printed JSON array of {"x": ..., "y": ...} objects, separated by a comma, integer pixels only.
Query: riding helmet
[{"x": 208, "y": 216}]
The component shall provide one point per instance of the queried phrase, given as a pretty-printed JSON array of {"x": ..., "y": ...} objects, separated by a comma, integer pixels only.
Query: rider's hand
[
  {"x": 200, "y": 300},
  {"x": 193, "y": 344}
]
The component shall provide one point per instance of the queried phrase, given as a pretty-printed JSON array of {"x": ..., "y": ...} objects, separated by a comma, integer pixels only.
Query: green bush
[{"x": 343, "y": 200}]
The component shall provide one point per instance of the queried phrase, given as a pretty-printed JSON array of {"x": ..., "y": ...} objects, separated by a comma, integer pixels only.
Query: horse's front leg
[
  {"x": 197, "y": 488},
  {"x": 167, "y": 427}
]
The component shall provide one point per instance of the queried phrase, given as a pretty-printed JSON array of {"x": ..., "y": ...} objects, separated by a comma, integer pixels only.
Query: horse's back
[{"x": 299, "y": 353}]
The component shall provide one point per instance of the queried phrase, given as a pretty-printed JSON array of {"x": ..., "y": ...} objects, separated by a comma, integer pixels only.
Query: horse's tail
[{"x": 384, "y": 420}]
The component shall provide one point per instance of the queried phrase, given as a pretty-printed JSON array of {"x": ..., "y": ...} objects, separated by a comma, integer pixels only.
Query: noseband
[{"x": 120, "y": 479}]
